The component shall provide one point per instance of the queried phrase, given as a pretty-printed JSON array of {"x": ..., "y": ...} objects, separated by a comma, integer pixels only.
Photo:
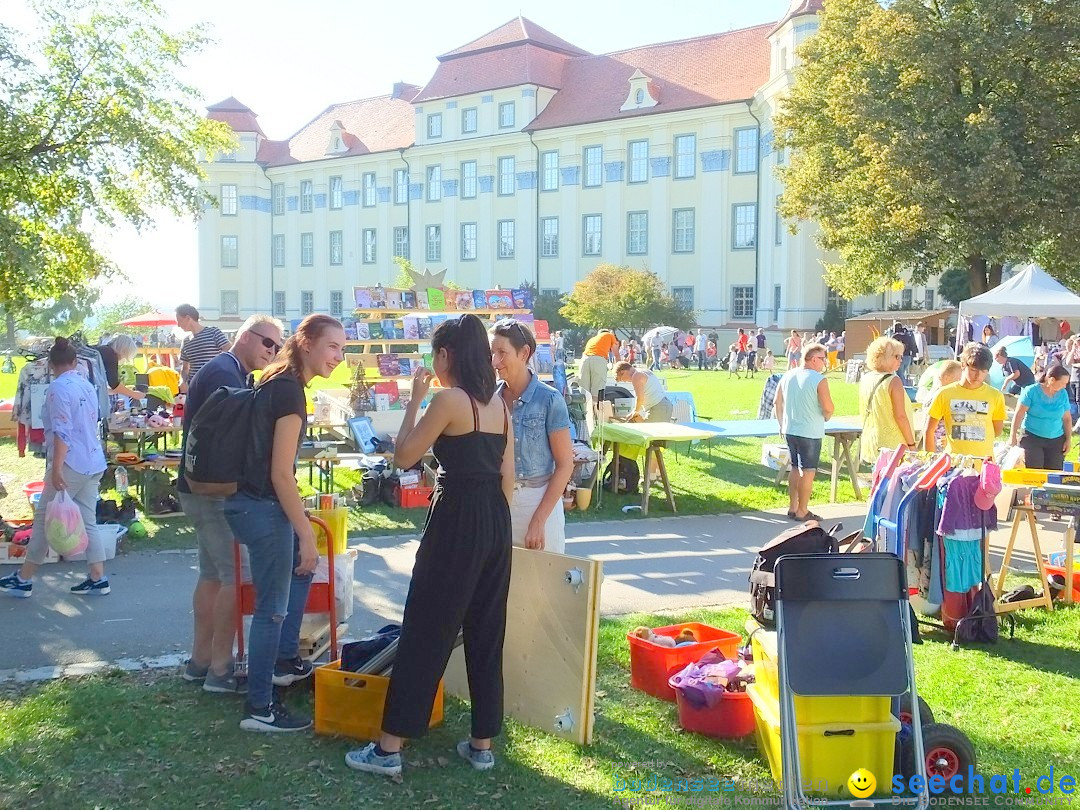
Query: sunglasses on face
[{"x": 269, "y": 343}]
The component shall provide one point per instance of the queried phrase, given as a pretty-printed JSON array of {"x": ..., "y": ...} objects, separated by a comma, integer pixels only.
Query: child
[
  {"x": 710, "y": 354},
  {"x": 733, "y": 360},
  {"x": 947, "y": 373},
  {"x": 768, "y": 362},
  {"x": 973, "y": 412}
]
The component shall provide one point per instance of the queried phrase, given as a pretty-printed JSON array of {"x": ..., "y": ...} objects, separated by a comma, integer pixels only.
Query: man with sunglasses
[{"x": 256, "y": 344}]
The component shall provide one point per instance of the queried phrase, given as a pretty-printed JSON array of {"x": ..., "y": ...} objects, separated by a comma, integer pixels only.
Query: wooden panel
[{"x": 549, "y": 657}]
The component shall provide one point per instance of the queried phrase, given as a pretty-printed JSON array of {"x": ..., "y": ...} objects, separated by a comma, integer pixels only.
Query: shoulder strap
[
  {"x": 475, "y": 413},
  {"x": 506, "y": 417},
  {"x": 874, "y": 390}
]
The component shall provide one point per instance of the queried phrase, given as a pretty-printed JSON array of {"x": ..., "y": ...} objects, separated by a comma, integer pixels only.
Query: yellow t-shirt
[
  {"x": 601, "y": 345},
  {"x": 969, "y": 415},
  {"x": 164, "y": 377}
]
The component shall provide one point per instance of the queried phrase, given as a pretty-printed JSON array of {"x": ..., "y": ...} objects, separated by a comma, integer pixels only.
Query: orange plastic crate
[
  {"x": 351, "y": 704},
  {"x": 730, "y": 719},
  {"x": 651, "y": 665},
  {"x": 318, "y": 599},
  {"x": 415, "y": 497}
]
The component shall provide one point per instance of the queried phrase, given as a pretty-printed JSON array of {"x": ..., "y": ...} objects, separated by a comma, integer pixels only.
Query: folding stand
[{"x": 1020, "y": 514}]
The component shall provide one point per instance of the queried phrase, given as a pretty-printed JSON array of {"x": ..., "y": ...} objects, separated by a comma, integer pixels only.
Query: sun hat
[{"x": 989, "y": 485}]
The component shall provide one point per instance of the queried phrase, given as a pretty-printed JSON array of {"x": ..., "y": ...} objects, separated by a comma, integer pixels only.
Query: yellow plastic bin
[
  {"x": 351, "y": 704},
  {"x": 338, "y": 521},
  {"x": 828, "y": 752},
  {"x": 812, "y": 710}
]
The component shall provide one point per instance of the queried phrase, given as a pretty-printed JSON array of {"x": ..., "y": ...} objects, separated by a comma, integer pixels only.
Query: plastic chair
[{"x": 843, "y": 629}]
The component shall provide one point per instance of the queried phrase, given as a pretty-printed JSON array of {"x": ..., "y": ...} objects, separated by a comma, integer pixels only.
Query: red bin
[{"x": 651, "y": 665}]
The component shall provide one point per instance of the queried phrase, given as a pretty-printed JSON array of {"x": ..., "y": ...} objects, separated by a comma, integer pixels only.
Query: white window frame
[
  {"x": 549, "y": 177},
  {"x": 307, "y": 196},
  {"x": 277, "y": 196},
  {"x": 371, "y": 244},
  {"x": 369, "y": 186},
  {"x": 307, "y": 302},
  {"x": 742, "y": 302},
  {"x": 337, "y": 247},
  {"x": 507, "y": 121},
  {"x": 278, "y": 249},
  {"x": 433, "y": 187},
  {"x": 337, "y": 192},
  {"x": 434, "y": 125},
  {"x": 746, "y": 150},
  {"x": 468, "y": 241},
  {"x": 928, "y": 298},
  {"x": 230, "y": 251},
  {"x": 433, "y": 240},
  {"x": 337, "y": 303},
  {"x": 507, "y": 176},
  {"x": 683, "y": 232},
  {"x": 683, "y": 295},
  {"x": 907, "y": 298},
  {"x": 743, "y": 226},
  {"x": 592, "y": 159},
  {"x": 685, "y": 157},
  {"x": 468, "y": 180},
  {"x": 230, "y": 302},
  {"x": 549, "y": 237},
  {"x": 637, "y": 238},
  {"x": 592, "y": 234},
  {"x": 401, "y": 186},
  {"x": 465, "y": 116},
  {"x": 843, "y": 306},
  {"x": 230, "y": 204},
  {"x": 401, "y": 241},
  {"x": 279, "y": 303},
  {"x": 638, "y": 169},
  {"x": 307, "y": 249},
  {"x": 506, "y": 239}
]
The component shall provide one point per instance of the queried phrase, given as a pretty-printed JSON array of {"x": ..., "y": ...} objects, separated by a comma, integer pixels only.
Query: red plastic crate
[
  {"x": 318, "y": 600},
  {"x": 731, "y": 718},
  {"x": 1060, "y": 571},
  {"x": 651, "y": 665},
  {"x": 419, "y": 496}
]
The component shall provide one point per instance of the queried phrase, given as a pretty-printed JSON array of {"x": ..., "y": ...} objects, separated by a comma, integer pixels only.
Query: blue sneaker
[
  {"x": 89, "y": 586},
  {"x": 14, "y": 586},
  {"x": 365, "y": 759},
  {"x": 480, "y": 759}
]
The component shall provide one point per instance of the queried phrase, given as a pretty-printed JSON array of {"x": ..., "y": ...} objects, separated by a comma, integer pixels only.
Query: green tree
[
  {"x": 95, "y": 130},
  {"x": 624, "y": 298},
  {"x": 929, "y": 134},
  {"x": 954, "y": 285},
  {"x": 108, "y": 317},
  {"x": 64, "y": 315}
]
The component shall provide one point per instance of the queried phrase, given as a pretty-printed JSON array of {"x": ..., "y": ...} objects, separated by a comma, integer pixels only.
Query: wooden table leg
[
  {"x": 614, "y": 468},
  {"x": 1070, "y": 548},
  {"x": 835, "y": 468},
  {"x": 647, "y": 480},
  {"x": 664, "y": 477},
  {"x": 847, "y": 442}
]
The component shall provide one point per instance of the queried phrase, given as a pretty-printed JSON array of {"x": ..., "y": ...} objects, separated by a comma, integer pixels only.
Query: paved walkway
[{"x": 652, "y": 564}]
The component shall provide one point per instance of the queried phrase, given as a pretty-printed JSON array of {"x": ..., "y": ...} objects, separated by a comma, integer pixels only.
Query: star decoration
[{"x": 427, "y": 279}]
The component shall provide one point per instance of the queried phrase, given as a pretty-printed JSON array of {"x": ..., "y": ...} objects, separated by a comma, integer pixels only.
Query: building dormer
[
  {"x": 796, "y": 25},
  {"x": 643, "y": 93},
  {"x": 244, "y": 123},
  {"x": 336, "y": 144}
]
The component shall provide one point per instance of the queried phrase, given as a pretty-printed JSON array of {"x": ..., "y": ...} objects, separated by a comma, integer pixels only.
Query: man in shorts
[
  {"x": 214, "y": 600},
  {"x": 803, "y": 406}
]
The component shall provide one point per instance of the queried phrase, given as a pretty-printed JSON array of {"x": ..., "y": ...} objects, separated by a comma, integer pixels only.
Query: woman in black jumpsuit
[{"x": 462, "y": 571}]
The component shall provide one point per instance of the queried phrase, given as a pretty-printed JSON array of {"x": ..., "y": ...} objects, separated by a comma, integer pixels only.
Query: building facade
[{"x": 526, "y": 159}]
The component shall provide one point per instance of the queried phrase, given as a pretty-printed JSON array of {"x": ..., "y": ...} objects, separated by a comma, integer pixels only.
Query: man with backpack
[
  {"x": 911, "y": 350},
  {"x": 213, "y": 602}
]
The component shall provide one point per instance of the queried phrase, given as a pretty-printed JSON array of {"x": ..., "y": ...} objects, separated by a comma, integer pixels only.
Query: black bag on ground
[
  {"x": 221, "y": 442},
  {"x": 797, "y": 540},
  {"x": 981, "y": 621},
  {"x": 629, "y": 476}
]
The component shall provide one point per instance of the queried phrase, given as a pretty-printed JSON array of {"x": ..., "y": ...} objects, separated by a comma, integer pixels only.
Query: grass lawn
[
  {"x": 730, "y": 478},
  {"x": 151, "y": 740}
]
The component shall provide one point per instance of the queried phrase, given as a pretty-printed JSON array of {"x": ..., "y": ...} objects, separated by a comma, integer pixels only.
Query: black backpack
[
  {"x": 629, "y": 476},
  {"x": 221, "y": 442},
  {"x": 797, "y": 540}
]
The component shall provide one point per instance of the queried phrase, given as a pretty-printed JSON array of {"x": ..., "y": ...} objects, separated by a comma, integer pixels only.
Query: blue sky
[{"x": 289, "y": 60}]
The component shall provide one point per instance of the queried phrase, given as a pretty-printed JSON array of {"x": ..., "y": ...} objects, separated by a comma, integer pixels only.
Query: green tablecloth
[{"x": 634, "y": 437}]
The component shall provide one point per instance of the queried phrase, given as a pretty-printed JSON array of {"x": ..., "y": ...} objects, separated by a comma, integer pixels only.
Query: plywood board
[{"x": 549, "y": 657}]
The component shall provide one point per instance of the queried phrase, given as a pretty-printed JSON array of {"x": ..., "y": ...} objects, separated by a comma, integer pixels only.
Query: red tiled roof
[
  {"x": 797, "y": 9},
  {"x": 691, "y": 73},
  {"x": 235, "y": 114},
  {"x": 371, "y": 125},
  {"x": 516, "y": 31},
  {"x": 509, "y": 66}
]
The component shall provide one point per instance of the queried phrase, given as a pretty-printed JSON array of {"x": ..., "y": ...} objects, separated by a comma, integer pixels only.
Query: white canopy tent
[{"x": 1031, "y": 293}]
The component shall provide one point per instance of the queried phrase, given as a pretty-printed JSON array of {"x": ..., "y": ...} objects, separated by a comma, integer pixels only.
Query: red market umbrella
[{"x": 150, "y": 320}]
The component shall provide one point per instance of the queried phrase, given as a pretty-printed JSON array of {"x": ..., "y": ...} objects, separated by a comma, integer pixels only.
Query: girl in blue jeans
[{"x": 267, "y": 515}]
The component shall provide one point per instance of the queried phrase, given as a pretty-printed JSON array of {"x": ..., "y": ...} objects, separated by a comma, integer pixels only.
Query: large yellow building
[{"x": 525, "y": 158}]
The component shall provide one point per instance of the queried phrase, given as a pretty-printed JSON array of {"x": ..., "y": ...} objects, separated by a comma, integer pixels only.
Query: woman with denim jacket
[
  {"x": 267, "y": 515},
  {"x": 543, "y": 453}
]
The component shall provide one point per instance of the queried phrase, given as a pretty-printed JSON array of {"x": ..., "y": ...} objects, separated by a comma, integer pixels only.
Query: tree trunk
[
  {"x": 977, "y": 275},
  {"x": 995, "y": 275},
  {"x": 10, "y": 318}
]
